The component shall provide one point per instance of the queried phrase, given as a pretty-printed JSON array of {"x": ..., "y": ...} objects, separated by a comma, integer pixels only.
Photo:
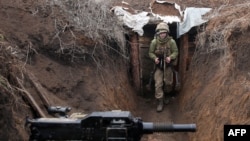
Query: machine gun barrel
[{"x": 149, "y": 127}]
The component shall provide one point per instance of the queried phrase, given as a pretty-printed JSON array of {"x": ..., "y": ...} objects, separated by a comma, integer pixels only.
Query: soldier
[{"x": 163, "y": 50}]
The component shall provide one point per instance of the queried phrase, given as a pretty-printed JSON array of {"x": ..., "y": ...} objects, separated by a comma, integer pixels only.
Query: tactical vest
[{"x": 161, "y": 48}]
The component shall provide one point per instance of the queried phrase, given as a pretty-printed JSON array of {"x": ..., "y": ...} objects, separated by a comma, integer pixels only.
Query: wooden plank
[
  {"x": 41, "y": 91},
  {"x": 183, "y": 49},
  {"x": 31, "y": 100},
  {"x": 135, "y": 61},
  {"x": 146, "y": 64}
]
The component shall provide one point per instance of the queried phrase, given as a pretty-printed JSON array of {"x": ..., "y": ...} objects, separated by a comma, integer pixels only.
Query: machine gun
[{"x": 99, "y": 126}]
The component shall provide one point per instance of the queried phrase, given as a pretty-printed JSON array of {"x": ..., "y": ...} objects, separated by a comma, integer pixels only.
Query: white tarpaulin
[
  {"x": 192, "y": 18},
  {"x": 134, "y": 21}
]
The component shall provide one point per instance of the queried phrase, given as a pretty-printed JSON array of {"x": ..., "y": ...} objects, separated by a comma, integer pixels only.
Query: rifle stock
[{"x": 100, "y": 126}]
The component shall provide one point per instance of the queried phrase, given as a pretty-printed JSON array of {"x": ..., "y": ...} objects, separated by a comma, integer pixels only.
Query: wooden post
[
  {"x": 183, "y": 57},
  {"x": 135, "y": 61}
]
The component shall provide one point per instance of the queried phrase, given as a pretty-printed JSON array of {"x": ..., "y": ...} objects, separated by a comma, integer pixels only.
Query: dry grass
[
  {"x": 220, "y": 72},
  {"x": 218, "y": 37},
  {"x": 92, "y": 18}
]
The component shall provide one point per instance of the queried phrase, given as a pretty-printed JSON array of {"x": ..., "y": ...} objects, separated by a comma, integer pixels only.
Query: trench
[
  {"x": 141, "y": 77},
  {"x": 113, "y": 93},
  {"x": 85, "y": 89}
]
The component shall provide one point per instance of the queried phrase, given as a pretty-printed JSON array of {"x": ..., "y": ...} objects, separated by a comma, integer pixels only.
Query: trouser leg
[
  {"x": 159, "y": 94},
  {"x": 168, "y": 79},
  {"x": 158, "y": 77}
]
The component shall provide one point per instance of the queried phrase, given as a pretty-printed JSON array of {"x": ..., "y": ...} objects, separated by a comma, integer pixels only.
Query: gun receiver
[{"x": 100, "y": 126}]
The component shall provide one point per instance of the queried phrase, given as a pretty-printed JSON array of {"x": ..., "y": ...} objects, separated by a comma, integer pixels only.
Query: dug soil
[{"x": 215, "y": 91}]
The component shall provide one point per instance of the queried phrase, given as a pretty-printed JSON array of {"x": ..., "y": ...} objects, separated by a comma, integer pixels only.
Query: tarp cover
[
  {"x": 192, "y": 17},
  {"x": 133, "y": 21}
]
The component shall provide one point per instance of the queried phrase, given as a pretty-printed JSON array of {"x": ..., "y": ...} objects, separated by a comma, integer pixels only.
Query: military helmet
[{"x": 162, "y": 27}]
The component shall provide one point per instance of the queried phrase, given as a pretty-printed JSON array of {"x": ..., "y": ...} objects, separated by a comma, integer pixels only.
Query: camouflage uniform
[{"x": 160, "y": 48}]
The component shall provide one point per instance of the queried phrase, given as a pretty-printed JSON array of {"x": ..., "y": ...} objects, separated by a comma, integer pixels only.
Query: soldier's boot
[
  {"x": 167, "y": 91},
  {"x": 160, "y": 105},
  {"x": 166, "y": 99}
]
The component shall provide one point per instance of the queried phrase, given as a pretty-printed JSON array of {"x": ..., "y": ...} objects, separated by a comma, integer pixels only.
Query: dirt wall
[
  {"x": 216, "y": 91},
  {"x": 31, "y": 39}
]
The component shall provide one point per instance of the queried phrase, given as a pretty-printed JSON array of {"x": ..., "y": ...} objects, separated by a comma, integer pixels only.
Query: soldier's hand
[
  {"x": 157, "y": 61},
  {"x": 168, "y": 59}
]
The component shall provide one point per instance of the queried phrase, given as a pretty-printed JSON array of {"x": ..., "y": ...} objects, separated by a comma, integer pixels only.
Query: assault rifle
[
  {"x": 163, "y": 66},
  {"x": 99, "y": 126}
]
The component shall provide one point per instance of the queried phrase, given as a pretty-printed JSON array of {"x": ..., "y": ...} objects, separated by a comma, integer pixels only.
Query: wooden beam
[
  {"x": 183, "y": 57},
  {"x": 135, "y": 61},
  {"x": 39, "y": 88},
  {"x": 31, "y": 100}
]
